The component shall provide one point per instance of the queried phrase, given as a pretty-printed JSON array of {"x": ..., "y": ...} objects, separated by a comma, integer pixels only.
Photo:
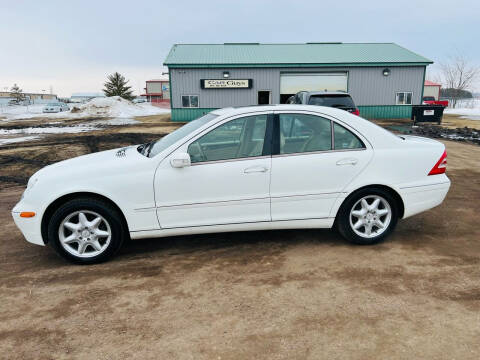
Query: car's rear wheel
[
  {"x": 86, "y": 230},
  {"x": 368, "y": 216}
]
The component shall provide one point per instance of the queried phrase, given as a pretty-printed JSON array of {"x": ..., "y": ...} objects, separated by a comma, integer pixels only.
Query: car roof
[{"x": 277, "y": 107}]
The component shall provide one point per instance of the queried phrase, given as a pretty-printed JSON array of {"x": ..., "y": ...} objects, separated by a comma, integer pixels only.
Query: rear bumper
[{"x": 417, "y": 199}]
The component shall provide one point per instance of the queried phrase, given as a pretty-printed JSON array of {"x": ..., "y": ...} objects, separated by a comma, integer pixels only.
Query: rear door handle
[
  {"x": 347, "y": 162},
  {"x": 255, "y": 169}
]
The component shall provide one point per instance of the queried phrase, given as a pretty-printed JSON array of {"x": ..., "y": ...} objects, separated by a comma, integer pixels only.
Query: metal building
[
  {"x": 384, "y": 79},
  {"x": 432, "y": 89},
  {"x": 157, "y": 90}
]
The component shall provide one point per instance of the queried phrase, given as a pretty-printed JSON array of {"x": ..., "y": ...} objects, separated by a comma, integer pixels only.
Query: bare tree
[{"x": 458, "y": 75}]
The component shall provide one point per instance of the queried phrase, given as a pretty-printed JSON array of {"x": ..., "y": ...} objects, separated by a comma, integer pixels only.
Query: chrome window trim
[
  {"x": 318, "y": 152},
  {"x": 230, "y": 160}
]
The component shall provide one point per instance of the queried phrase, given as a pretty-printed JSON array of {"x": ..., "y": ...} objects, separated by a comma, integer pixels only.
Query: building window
[
  {"x": 190, "y": 101},
  {"x": 404, "y": 98}
]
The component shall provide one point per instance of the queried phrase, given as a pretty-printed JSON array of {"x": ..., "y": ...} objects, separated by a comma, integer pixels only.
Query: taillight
[
  {"x": 356, "y": 112},
  {"x": 441, "y": 165}
]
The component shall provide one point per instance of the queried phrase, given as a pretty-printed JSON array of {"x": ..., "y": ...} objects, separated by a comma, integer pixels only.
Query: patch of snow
[
  {"x": 113, "y": 106},
  {"x": 50, "y": 130},
  {"x": 44, "y": 130},
  {"x": 18, "y": 139},
  {"x": 467, "y": 109},
  {"x": 115, "y": 122}
]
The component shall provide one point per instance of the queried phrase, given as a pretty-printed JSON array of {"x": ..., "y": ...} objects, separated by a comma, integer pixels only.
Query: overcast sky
[{"x": 72, "y": 45}]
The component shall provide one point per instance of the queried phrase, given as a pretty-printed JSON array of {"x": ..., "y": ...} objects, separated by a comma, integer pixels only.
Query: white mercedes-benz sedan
[{"x": 236, "y": 169}]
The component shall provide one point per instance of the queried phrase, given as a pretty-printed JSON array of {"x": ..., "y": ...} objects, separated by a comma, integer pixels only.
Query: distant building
[
  {"x": 85, "y": 96},
  {"x": 384, "y": 79},
  {"x": 431, "y": 89},
  {"x": 157, "y": 90},
  {"x": 32, "y": 98}
]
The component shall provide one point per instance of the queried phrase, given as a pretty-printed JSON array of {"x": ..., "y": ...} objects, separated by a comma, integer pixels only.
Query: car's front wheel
[
  {"x": 368, "y": 216},
  {"x": 86, "y": 230}
]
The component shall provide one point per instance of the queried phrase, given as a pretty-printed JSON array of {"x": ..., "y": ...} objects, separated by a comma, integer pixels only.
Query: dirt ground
[{"x": 303, "y": 294}]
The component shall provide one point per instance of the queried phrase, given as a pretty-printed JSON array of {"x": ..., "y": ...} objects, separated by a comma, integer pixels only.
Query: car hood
[{"x": 93, "y": 165}]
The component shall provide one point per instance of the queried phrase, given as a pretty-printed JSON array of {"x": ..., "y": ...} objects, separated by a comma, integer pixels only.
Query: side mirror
[{"x": 180, "y": 160}]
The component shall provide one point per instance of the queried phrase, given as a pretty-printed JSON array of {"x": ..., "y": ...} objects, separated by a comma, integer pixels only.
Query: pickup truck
[{"x": 430, "y": 100}]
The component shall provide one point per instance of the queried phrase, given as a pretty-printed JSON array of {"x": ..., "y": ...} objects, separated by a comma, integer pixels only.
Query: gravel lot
[{"x": 302, "y": 294}]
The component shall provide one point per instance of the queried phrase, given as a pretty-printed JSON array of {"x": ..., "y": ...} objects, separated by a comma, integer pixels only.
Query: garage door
[{"x": 291, "y": 83}]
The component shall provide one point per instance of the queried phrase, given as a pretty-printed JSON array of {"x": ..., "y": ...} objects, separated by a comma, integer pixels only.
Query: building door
[{"x": 263, "y": 97}]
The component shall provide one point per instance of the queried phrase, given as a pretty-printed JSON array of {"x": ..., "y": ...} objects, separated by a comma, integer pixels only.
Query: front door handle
[
  {"x": 347, "y": 162},
  {"x": 255, "y": 169}
]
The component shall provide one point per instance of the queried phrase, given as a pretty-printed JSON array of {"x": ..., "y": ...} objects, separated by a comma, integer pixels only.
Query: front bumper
[{"x": 30, "y": 227}]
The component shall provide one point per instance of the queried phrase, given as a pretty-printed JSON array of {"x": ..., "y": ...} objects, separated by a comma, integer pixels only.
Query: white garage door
[{"x": 294, "y": 82}]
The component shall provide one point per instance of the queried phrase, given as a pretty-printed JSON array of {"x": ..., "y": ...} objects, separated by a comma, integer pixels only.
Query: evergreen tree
[
  {"x": 17, "y": 93},
  {"x": 117, "y": 86}
]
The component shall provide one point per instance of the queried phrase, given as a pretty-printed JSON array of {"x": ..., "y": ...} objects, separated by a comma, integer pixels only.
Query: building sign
[{"x": 226, "y": 83}]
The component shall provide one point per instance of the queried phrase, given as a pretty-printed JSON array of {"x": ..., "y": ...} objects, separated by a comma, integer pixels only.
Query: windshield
[
  {"x": 428, "y": 98},
  {"x": 341, "y": 101},
  {"x": 178, "y": 134},
  {"x": 54, "y": 104}
]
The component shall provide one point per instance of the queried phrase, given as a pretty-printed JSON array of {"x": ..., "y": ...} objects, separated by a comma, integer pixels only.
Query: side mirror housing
[{"x": 180, "y": 160}]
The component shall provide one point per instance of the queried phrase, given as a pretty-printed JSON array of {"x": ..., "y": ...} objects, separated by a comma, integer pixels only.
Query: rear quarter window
[{"x": 345, "y": 139}]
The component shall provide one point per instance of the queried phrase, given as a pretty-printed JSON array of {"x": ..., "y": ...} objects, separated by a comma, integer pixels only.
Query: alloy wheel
[
  {"x": 370, "y": 216},
  {"x": 85, "y": 233}
]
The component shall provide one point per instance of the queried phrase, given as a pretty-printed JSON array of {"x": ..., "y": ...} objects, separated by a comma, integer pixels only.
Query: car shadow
[{"x": 186, "y": 244}]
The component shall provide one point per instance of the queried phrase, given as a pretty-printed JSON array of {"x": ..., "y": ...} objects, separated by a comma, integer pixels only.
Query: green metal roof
[{"x": 308, "y": 54}]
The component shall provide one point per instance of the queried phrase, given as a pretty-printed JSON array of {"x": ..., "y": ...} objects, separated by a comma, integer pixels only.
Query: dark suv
[{"x": 340, "y": 100}]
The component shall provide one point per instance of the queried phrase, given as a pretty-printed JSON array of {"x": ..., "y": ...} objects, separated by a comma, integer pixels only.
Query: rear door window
[{"x": 304, "y": 133}]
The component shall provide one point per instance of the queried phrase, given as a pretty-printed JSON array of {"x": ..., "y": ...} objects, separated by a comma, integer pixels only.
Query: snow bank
[
  {"x": 469, "y": 109},
  {"x": 113, "y": 106}
]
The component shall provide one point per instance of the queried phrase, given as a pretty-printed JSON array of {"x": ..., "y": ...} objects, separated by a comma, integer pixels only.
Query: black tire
[
  {"x": 119, "y": 231},
  {"x": 343, "y": 216}
]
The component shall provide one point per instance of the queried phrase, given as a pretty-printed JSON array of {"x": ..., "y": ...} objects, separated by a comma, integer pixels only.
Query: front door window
[{"x": 239, "y": 138}]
